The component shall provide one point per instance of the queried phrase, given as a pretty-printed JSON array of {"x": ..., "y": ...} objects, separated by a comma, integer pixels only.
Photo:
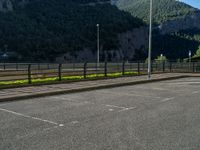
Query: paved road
[{"x": 154, "y": 116}]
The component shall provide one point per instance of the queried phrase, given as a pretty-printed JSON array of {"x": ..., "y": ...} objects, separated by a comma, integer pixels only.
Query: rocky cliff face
[{"x": 132, "y": 44}]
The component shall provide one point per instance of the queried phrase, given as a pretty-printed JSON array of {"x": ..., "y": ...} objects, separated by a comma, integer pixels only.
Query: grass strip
[{"x": 64, "y": 78}]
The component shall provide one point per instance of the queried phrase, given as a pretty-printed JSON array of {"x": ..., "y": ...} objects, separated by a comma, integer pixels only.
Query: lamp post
[
  {"x": 98, "y": 49},
  {"x": 150, "y": 41},
  {"x": 190, "y": 59}
]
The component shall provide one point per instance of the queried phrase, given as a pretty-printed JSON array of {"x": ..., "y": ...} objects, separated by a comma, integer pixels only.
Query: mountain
[
  {"x": 44, "y": 29},
  {"x": 48, "y": 29},
  {"x": 163, "y": 10},
  {"x": 176, "y": 25}
]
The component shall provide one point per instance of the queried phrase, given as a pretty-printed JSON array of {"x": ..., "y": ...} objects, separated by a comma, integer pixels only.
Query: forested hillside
[
  {"x": 163, "y": 10},
  {"x": 44, "y": 29},
  {"x": 175, "y": 44},
  {"x": 41, "y": 30}
]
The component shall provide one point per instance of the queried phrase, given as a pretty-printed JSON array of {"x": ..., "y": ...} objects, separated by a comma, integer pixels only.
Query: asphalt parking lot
[{"x": 154, "y": 116}]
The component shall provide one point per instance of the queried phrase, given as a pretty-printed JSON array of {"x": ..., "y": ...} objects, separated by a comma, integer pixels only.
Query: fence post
[
  {"x": 138, "y": 68},
  {"x": 29, "y": 74},
  {"x": 16, "y": 66},
  {"x": 85, "y": 70},
  {"x": 152, "y": 69},
  {"x": 4, "y": 66},
  {"x": 38, "y": 66},
  {"x": 123, "y": 68},
  {"x": 105, "y": 69},
  {"x": 193, "y": 66},
  {"x": 156, "y": 68},
  {"x": 48, "y": 66},
  {"x": 60, "y": 72},
  {"x": 170, "y": 66},
  {"x": 163, "y": 66},
  {"x": 143, "y": 66}
]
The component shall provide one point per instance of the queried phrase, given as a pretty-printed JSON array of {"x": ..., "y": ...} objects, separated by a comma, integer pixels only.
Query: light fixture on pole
[
  {"x": 150, "y": 40},
  {"x": 98, "y": 49},
  {"x": 190, "y": 59}
]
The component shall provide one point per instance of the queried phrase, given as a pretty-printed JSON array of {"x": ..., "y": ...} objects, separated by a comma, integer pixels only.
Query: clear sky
[{"x": 194, "y": 3}]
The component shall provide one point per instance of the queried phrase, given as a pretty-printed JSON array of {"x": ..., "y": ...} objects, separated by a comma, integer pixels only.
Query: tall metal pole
[
  {"x": 190, "y": 59},
  {"x": 150, "y": 40},
  {"x": 98, "y": 48}
]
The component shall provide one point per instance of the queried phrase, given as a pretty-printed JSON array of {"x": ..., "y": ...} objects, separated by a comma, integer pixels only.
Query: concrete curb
[
  {"x": 37, "y": 95},
  {"x": 74, "y": 81}
]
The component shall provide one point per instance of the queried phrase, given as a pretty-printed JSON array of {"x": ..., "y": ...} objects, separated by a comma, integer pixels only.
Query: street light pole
[
  {"x": 98, "y": 48},
  {"x": 190, "y": 59},
  {"x": 150, "y": 40}
]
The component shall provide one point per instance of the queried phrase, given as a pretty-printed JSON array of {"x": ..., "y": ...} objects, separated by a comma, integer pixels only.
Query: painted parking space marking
[
  {"x": 195, "y": 92},
  {"x": 105, "y": 105},
  {"x": 120, "y": 107},
  {"x": 75, "y": 122},
  {"x": 167, "y": 99},
  {"x": 127, "y": 109},
  {"x": 30, "y": 117}
]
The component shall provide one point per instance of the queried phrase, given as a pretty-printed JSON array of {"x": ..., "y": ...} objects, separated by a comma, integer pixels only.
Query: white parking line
[
  {"x": 195, "y": 92},
  {"x": 75, "y": 122},
  {"x": 167, "y": 99},
  {"x": 126, "y": 109},
  {"x": 34, "y": 118},
  {"x": 120, "y": 107}
]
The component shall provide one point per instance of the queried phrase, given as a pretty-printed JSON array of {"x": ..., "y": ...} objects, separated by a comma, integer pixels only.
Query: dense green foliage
[
  {"x": 53, "y": 80},
  {"x": 161, "y": 58},
  {"x": 177, "y": 45},
  {"x": 197, "y": 52},
  {"x": 163, "y": 10},
  {"x": 44, "y": 29}
]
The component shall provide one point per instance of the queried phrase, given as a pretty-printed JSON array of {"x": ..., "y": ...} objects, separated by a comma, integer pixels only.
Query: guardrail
[{"x": 41, "y": 71}]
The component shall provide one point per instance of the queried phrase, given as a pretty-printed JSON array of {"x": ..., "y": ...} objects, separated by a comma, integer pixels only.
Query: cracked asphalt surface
[{"x": 154, "y": 116}]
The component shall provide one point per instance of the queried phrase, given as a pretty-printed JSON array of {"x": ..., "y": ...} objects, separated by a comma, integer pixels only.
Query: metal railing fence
[{"x": 34, "y": 71}]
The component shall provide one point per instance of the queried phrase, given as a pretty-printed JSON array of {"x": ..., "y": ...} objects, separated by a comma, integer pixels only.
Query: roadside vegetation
[
  {"x": 197, "y": 52},
  {"x": 51, "y": 80},
  {"x": 161, "y": 58}
]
